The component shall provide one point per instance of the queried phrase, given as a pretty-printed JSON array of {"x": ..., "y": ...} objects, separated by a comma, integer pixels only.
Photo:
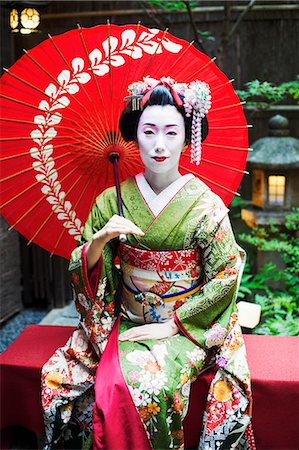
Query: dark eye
[
  {"x": 148, "y": 132},
  {"x": 172, "y": 133}
]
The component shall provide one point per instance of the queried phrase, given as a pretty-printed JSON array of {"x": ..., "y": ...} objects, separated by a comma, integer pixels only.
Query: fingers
[
  {"x": 134, "y": 334},
  {"x": 120, "y": 225}
]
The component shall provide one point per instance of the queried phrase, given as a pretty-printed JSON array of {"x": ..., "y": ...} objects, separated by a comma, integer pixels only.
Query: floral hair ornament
[{"x": 194, "y": 96}]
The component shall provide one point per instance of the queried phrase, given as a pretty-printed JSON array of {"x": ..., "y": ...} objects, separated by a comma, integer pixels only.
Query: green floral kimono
[{"x": 158, "y": 373}]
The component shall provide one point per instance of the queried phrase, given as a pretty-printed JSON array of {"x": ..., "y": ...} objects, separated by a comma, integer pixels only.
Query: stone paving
[{"x": 14, "y": 326}]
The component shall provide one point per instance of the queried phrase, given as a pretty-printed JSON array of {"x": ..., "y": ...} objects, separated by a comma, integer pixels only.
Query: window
[{"x": 276, "y": 190}]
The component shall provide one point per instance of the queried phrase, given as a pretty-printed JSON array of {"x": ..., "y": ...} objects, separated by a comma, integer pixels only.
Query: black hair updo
[{"x": 129, "y": 119}]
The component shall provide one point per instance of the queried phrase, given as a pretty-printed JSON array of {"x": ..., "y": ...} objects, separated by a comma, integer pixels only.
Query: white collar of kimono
[{"x": 157, "y": 202}]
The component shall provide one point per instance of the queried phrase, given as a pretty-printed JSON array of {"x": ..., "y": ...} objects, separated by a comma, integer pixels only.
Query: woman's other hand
[
  {"x": 150, "y": 331},
  {"x": 114, "y": 227}
]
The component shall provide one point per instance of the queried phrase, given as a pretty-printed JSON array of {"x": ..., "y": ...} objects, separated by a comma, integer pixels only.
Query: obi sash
[{"x": 156, "y": 283}]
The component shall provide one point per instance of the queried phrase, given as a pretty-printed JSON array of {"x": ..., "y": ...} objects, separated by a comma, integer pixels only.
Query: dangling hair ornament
[{"x": 194, "y": 96}]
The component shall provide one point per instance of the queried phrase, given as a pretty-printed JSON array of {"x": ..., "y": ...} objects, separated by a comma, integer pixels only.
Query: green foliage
[
  {"x": 206, "y": 35},
  {"x": 171, "y": 6},
  {"x": 181, "y": 6},
  {"x": 251, "y": 283},
  {"x": 263, "y": 94},
  {"x": 280, "y": 314},
  {"x": 285, "y": 243},
  {"x": 280, "y": 311}
]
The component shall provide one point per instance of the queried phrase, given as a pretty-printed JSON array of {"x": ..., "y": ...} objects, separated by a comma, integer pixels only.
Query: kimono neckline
[{"x": 157, "y": 202}]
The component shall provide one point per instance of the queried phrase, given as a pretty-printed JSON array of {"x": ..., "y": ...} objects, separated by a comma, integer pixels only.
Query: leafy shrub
[
  {"x": 280, "y": 314},
  {"x": 263, "y": 94}
]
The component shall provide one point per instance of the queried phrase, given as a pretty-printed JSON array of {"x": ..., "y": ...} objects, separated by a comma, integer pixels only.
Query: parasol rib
[
  {"x": 125, "y": 79},
  {"x": 41, "y": 91},
  {"x": 194, "y": 74},
  {"x": 180, "y": 57},
  {"x": 234, "y": 169},
  {"x": 81, "y": 132},
  {"x": 230, "y": 147},
  {"x": 70, "y": 68},
  {"x": 154, "y": 54},
  {"x": 40, "y": 181},
  {"x": 94, "y": 78},
  {"x": 30, "y": 105},
  {"x": 61, "y": 86},
  {"x": 42, "y": 198},
  {"x": 93, "y": 197},
  {"x": 53, "y": 210},
  {"x": 26, "y": 213},
  {"x": 2, "y": 180},
  {"x": 231, "y": 127},
  {"x": 109, "y": 58},
  {"x": 226, "y": 107},
  {"x": 223, "y": 85},
  {"x": 110, "y": 76},
  {"x": 210, "y": 181},
  {"x": 77, "y": 140},
  {"x": 54, "y": 157}
]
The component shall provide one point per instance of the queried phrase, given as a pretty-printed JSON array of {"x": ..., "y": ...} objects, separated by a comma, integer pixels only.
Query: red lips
[{"x": 159, "y": 158}]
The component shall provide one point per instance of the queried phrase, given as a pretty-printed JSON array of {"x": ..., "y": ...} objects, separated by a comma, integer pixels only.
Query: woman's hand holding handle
[{"x": 115, "y": 227}]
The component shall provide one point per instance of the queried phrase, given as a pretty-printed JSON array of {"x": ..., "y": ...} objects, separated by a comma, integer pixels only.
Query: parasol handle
[{"x": 114, "y": 158}]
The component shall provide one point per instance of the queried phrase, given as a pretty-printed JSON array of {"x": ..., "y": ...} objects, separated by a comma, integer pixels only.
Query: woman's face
[{"x": 161, "y": 137}]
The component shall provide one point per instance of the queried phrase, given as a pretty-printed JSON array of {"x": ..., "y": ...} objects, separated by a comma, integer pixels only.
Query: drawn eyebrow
[{"x": 166, "y": 126}]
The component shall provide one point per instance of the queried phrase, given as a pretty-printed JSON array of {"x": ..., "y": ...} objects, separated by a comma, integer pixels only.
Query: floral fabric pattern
[{"x": 158, "y": 373}]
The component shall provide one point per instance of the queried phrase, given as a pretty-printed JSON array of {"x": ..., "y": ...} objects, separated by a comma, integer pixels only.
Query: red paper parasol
[{"x": 60, "y": 105}]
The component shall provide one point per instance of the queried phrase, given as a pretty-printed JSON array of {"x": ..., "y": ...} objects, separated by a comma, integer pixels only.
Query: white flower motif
[
  {"x": 137, "y": 395},
  {"x": 106, "y": 322},
  {"x": 169, "y": 420},
  {"x": 146, "y": 399},
  {"x": 186, "y": 389},
  {"x": 79, "y": 374},
  {"x": 153, "y": 384},
  {"x": 160, "y": 352},
  {"x": 197, "y": 354},
  {"x": 101, "y": 289},
  {"x": 66, "y": 415},
  {"x": 83, "y": 301},
  {"x": 79, "y": 342}
]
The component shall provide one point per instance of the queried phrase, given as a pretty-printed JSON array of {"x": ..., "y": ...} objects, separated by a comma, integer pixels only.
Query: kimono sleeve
[
  {"x": 205, "y": 317},
  {"x": 94, "y": 293}
]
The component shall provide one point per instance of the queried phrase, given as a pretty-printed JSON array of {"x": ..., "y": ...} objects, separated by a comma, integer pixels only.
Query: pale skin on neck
[{"x": 157, "y": 182}]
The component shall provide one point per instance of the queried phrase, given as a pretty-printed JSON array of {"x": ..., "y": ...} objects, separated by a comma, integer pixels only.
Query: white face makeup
[{"x": 161, "y": 137}]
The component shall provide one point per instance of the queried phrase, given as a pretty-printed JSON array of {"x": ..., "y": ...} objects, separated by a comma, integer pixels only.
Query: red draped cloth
[
  {"x": 116, "y": 422},
  {"x": 273, "y": 361}
]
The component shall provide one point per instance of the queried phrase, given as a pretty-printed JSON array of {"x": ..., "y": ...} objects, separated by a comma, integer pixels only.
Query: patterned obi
[{"x": 156, "y": 283}]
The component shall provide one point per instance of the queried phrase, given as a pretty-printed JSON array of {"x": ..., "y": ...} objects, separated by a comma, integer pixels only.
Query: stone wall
[{"x": 10, "y": 273}]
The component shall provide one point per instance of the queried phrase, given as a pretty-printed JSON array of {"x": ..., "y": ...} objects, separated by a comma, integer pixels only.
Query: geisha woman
[{"x": 149, "y": 328}]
